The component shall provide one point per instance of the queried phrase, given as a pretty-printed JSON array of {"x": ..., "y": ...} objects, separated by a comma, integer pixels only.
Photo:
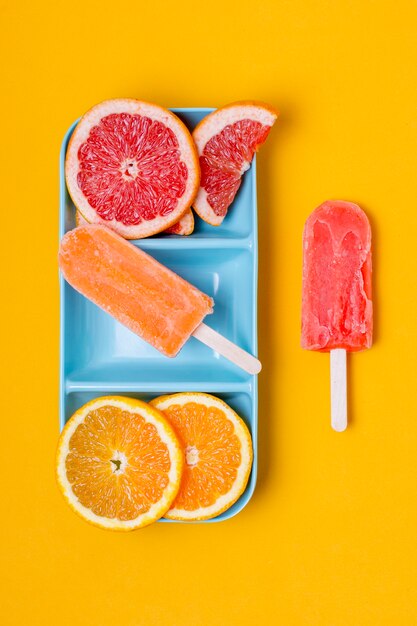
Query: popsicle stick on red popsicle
[
  {"x": 144, "y": 295},
  {"x": 336, "y": 303},
  {"x": 338, "y": 389}
]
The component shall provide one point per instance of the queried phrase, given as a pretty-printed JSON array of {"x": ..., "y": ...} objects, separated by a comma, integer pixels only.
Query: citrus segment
[
  {"x": 119, "y": 463},
  {"x": 133, "y": 166},
  {"x": 226, "y": 141},
  {"x": 218, "y": 454}
]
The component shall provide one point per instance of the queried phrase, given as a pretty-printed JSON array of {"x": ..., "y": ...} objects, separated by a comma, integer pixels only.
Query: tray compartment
[
  {"x": 98, "y": 343},
  {"x": 241, "y": 400}
]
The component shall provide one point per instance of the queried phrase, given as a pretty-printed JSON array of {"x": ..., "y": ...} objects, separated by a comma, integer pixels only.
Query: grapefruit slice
[
  {"x": 184, "y": 226},
  {"x": 226, "y": 141},
  {"x": 119, "y": 463},
  {"x": 218, "y": 454},
  {"x": 132, "y": 166}
]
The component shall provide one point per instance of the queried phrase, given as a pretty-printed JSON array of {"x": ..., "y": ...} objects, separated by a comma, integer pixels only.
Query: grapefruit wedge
[
  {"x": 184, "y": 226},
  {"x": 132, "y": 166},
  {"x": 226, "y": 141}
]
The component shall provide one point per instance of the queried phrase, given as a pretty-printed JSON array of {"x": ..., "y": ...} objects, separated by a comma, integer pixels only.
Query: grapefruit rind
[
  {"x": 79, "y": 219},
  {"x": 225, "y": 501},
  {"x": 213, "y": 124},
  {"x": 165, "y": 431},
  {"x": 188, "y": 154}
]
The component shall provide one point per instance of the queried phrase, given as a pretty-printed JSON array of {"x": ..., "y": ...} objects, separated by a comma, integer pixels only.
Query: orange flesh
[
  {"x": 151, "y": 300},
  {"x": 212, "y": 454},
  {"x": 117, "y": 464}
]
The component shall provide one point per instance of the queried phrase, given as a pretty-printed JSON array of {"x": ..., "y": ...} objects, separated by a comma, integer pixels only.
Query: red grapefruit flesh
[
  {"x": 227, "y": 140},
  {"x": 132, "y": 166}
]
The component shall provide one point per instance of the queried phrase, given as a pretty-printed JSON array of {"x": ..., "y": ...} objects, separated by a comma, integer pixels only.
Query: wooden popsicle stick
[
  {"x": 338, "y": 390},
  {"x": 226, "y": 348}
]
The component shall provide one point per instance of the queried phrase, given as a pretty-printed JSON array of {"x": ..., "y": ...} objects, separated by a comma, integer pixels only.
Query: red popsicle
[{"x": 336, "y": 302}]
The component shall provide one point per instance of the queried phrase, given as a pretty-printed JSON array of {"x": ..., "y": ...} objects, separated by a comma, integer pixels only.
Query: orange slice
[
  {"x": 226, "y": 141},
  {"x": 119, "y": 463},
  {"x": 132, "y": 166},
  {"x": 218, "y": 454}
]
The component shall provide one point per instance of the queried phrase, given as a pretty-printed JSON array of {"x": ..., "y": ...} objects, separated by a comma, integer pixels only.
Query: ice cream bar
[
  {"x": 336, "y": 299},
  {"x": 147, "y": 297}
]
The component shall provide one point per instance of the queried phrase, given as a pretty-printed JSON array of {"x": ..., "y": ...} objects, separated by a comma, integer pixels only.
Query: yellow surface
[{"x": 329, "y": 539}]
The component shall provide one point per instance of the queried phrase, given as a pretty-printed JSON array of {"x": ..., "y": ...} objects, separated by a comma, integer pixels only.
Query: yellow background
[{"x": 329, "y": 538}]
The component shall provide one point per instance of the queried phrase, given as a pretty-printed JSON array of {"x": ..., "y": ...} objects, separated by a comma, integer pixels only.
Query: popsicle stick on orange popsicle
[
  {"x": 144, "y": 295},
  {"x": 337, "y": 311}
]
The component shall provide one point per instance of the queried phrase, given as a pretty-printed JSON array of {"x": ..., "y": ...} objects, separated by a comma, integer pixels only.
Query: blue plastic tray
[{"x": 99, "y": 356}]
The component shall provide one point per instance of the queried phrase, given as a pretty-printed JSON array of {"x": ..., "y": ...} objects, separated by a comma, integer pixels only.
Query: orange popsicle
[{"x": 147, "y": 297}]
